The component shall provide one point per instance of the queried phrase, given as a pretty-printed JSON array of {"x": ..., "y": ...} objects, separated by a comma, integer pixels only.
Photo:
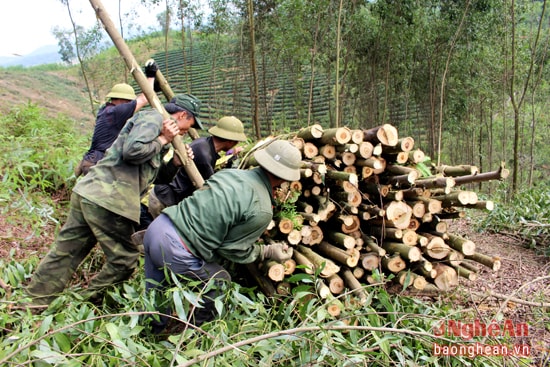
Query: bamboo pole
[{"x": 135, "y": 69}]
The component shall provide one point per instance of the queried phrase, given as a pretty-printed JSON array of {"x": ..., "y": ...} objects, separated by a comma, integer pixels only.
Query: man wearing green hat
[
  {"x": 221, "y": 221},
  {"x": 122, "y": 103},
  {"x": 105, "y": 204}
]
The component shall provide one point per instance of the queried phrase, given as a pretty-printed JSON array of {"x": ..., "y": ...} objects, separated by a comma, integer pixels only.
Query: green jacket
[
  {"x": 130, "y": 165},
  {"x": 226, "y": 217}
]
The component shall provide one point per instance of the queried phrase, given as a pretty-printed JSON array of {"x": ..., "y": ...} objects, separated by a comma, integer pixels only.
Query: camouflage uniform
[{"x": 105, "y": 208}]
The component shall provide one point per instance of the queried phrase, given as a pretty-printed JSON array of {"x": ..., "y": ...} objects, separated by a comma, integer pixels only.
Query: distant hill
[{"x": 43, "y": 55}]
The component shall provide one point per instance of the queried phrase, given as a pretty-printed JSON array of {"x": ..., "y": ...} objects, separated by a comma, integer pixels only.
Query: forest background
[{"x": 467, "y": 79}]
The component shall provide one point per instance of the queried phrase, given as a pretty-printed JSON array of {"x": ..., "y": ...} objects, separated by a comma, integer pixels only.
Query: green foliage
[
  {"x": 39, "y": 157},
  {"x": 252, "y": 330},
  {"x": 526, "y": 215}
]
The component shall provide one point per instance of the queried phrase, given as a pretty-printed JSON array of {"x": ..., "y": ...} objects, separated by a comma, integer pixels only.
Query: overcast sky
[{"x": 26, "y": 25}]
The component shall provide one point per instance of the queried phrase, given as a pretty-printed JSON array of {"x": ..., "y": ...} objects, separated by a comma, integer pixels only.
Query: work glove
[
  {"x": 277, "y": 251},
  {"x": 156, "y": 86},
  {"x": 151, "y": 68}
]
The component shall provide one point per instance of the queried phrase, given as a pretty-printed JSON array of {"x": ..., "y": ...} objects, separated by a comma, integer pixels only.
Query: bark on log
[
  {"x": 410, "y": 253},
  {"x": 312, "y": 132},
  {"x": 336, "y": 136},
  {"x": 492, "y": 263},
  {"x": 352, "y": 283},
  {"x": 461, "y": 244},
  {"x": 340, "y": 255},
  {"x": 328, "y": 266}
]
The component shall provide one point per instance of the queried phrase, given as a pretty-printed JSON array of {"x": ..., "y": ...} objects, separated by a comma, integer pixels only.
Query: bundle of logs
[{"x": 369, "y": 203}]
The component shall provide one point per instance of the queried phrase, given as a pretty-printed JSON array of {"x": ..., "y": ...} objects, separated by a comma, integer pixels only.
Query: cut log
[
  {"x": 399, "y": 213},
  {"x": 446, "y": 278},
  {"x": 461, "y": 170},
  {"x": 335, "y": 284},
  {"x": 289, "y": 266},
  {"x": 385, "y": 134},
  {"x": 285, "y": 225},
  {"x": 465, "y": 273},
  {"x": 357, "y": 136},
  {"x": 365, "y": 150},
  {"x": 265, "y": 284},
  {"x": 499, "y": 174},
  {"x": 393, "y": 263},
  {"x": 483, "y": 205},
  {"x": 352, "y": 283},
  {"x": 303, "y": 261},
  {"x": 436, "y": 247},
  {"x": 434, "y": 182},
  {"x": 383, "y": 233},
  {"x": 294, "y": 237},
  {"x": 283, "y": 288},
  {"x": 403, "y": 145},
  {"x": 370, "y": 260},
  {"x": 373, "y": 246},
  {"x": 336, "y": 136},
  {"x": 407, "y": 279},
  {"x": 274, "y": 270},
  {"x": 410, "y": 238},
  {"x": 416, "y": 156},
  {"x": 328, "y": 151},
  {"x": 340, "y": 255},
  {"x": 311, "y": 132},
  {"x": 418, "y": 208},
  {"x": 461, "y": 244},
  {"x": 341, "y": 239},
  {"x": 322, "y": 289},
  {"x": 328, "y": 266},
  {"x": 310, "y": 150},
  {"x": 457, "y": 198},
  {"x": 410, "y": 253},
  {"x": 358, "y": 272},
  {"x": 394, "y": 195},
  {"x": 343, "y": 176},
  {"x": 492, "y": 263}
]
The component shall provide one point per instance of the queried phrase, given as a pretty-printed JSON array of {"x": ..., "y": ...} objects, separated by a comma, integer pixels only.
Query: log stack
[{"x": 369, "y": 203}]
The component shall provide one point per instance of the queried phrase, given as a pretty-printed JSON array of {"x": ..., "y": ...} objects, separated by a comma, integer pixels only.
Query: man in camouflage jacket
[{"x": 105, "y": 204}]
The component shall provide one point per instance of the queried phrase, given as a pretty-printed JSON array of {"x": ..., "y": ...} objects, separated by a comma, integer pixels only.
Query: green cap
[{"x": 187, "y": 102}]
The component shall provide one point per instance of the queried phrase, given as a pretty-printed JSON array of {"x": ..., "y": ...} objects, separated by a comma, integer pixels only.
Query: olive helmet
[
  {"x": 280, "y": 158},
  {"x": 122, "y": 91},
  {"x": 230, "y": 128}
]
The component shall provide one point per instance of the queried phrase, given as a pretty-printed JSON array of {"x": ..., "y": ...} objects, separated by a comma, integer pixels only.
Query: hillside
[{"x": 54, "y": 91}]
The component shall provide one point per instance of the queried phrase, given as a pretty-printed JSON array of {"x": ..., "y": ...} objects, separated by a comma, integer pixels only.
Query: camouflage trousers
[{"x": 87, "y": 224}]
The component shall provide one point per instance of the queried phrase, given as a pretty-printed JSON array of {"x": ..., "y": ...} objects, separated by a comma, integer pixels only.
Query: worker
[
  {"x": 227, "y": 133},
  {"x": 221, "y": 221},
  {"x": 105, "y": 204},
  {"x": 121, "y": 104}
]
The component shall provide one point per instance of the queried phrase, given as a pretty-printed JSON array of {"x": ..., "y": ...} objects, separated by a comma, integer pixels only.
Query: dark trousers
[
  {"x": 164, "y": 250},
  {"x": 87, "y": 224}
]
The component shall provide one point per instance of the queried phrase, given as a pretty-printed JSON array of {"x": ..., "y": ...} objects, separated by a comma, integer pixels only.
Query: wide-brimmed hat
[
  {"x": 122, "y": 91},
  {"x": 281, "y": 158},
  {"x": 230, "y": 128}
]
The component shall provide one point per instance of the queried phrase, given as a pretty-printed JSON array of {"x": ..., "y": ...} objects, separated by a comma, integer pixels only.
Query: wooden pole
[
  {"x": 169, "y": 94},
  {"x": 154, "y": 101}
]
